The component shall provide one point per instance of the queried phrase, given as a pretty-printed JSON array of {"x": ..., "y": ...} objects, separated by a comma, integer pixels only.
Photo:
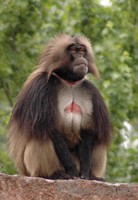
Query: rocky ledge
[{"x": 29, "y": 188}]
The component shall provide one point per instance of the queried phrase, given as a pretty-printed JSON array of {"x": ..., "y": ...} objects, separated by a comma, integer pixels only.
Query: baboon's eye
[
  {"x": 72, "y": 50},
  {"x": 82, "y": 50}
]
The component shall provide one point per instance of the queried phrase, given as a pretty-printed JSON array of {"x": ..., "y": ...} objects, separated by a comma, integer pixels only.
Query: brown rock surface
[{"x": 29, "y": 188}]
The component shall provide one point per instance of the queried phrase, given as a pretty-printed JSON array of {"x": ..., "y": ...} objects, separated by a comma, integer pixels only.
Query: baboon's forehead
[{"x": 65, "y": 40}]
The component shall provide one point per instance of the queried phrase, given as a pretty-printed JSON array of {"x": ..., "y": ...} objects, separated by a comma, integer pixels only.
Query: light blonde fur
[{"x": 38, "y": 158}]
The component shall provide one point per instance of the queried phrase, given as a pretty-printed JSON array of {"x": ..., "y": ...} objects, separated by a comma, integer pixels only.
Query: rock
[{"x": 30, "y": 188}]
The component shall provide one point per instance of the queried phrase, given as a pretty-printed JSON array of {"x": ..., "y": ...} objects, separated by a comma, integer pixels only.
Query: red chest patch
[{"x": 74, "y": 108}]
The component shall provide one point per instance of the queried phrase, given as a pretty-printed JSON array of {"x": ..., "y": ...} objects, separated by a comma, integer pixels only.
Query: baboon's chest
[{"x": 75, "y": 109}]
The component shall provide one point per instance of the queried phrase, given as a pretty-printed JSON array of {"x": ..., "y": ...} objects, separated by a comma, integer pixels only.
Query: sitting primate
[{"x": 59, "y": 128}]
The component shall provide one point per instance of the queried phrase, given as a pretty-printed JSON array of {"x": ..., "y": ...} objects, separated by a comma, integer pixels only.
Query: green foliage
[{"x": 25, "y": 26}]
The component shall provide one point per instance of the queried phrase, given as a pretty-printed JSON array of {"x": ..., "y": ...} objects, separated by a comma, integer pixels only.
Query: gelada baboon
[{"x": 59, "y": 128}]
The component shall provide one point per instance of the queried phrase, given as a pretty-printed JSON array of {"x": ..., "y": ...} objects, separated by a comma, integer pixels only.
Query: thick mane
[
  {"x": 35, "y": 111},
  {"x": 55, "y": 56}
]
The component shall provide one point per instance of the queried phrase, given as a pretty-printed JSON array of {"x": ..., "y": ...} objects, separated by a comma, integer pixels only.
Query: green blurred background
[{"x": 26, "y": 26}]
